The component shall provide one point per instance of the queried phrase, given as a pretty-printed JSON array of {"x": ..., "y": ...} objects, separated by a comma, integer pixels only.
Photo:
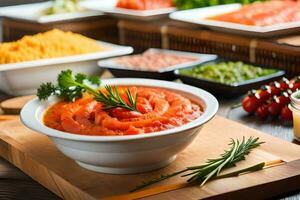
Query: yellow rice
[{"x": 54, "y": 43}]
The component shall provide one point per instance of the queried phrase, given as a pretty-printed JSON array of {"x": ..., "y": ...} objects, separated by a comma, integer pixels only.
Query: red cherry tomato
[
  {"x": 284, "y": 84},
  {"x": 274, "y": 108},
  {"x": 250, "y": 103},
  {"x": 295, "y": 85},
  {"x": 286, "y": 114},
  {"x": 283, "y": 99},
  {"x": 262, "y": 111},
  {"x": 275, "y": 88},
  {"x": 273, "y": 99},
  {"x": 264, "y": 94}
]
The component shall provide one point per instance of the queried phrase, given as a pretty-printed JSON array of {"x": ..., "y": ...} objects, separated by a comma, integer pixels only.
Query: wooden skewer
[
  {"x": 148, "y": 192},
  {"x": 8, "y": 117},
  {"x": 167, "y": 188},
  {"x": 273, "y": 163}
]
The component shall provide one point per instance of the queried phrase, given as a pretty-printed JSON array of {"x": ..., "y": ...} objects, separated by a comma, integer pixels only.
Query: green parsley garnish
[{"x": 71, "y": 87}]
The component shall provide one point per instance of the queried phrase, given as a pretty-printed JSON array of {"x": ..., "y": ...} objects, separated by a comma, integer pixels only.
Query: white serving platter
[
  {"x": 34, "y": 12},
  {"x": 24, "y": 77},
  {"x": 200, "y": 58},
  {"x": 199, "y": 16},
  {"x": 145, "y": 15}
]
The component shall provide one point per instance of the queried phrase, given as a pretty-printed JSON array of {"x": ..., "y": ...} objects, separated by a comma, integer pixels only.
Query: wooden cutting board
[
  {"x": 37, "y": 156},
  {"x": 14, "y": 105}
]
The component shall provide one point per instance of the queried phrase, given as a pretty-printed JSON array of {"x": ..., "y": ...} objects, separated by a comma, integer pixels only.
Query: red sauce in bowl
[{"x": 158, "y": 110}]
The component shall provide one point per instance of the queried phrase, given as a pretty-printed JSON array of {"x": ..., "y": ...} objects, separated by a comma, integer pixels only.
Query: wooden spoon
[{"x": 13, "y": 106}]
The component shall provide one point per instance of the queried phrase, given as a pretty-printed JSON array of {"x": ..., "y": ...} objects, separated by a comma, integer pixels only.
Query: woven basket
[
  {"x": 204, "y": 41},
  {"x": 100, "y": 28},
  {"x": 279, "y": 56},
  {"x": 266, "y": 53},
  {"x": 140, "y": 35}
]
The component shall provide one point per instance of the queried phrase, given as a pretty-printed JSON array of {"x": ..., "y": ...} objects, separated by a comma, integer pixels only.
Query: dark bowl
[
  {"x": 228, "y": 90},
  {"x": 167, "y": 73},
  {"x": 124, "y": 73}
]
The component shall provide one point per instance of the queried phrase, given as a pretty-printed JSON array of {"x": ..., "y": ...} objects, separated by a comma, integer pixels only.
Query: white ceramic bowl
[{"x": 125, "y": 154}]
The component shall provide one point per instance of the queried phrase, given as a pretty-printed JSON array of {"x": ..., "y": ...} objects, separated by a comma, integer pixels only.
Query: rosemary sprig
[
  {"x": 113, "y": 99},
  {"x": 199, "y": 175},
  {"x": 253, "y": 168},
  {"x": 72, "y": 87},
  {"x": 236, "y": 106}
]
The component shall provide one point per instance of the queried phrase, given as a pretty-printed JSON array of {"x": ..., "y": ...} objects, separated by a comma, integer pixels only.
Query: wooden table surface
[{"x": 14, "y": 184}]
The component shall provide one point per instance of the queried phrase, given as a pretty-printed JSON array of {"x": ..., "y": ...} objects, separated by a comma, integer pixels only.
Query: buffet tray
[
  {"x": 119, "y": 70},
  {"x": 140, "y": 15},
  {"x": 24, "y": 77},
  {"x": 228, "y": 90},
  {"x": 147, "y": 15},
  {"x": 36, "y": 12},
  {"x": 37, "y": 156},
  {"x": 199, "y": 16}
]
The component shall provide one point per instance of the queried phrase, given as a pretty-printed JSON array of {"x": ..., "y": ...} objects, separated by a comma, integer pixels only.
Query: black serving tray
[
  {"x": 165, "y": 74},
  {"x": 228, "y": 90},
  {"x": 123, "y": 73}
]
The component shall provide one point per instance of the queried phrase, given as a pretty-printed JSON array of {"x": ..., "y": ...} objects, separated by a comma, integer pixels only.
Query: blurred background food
[
  {"x": 54, "y": 43},
  {"x": 63, "y": 6},
  {"x": 144, "y": 4},
  {"x": 189, "y": 4},
  {"x": 263, "y": 13},
  {"x": 227, "y": 72},
  {"x": 152, "y": 61}
]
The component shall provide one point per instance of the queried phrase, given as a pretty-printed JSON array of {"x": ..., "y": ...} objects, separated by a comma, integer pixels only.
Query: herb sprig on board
[
  {"x": 199, "y": 175},
  {"x": 71, "y": 87}
]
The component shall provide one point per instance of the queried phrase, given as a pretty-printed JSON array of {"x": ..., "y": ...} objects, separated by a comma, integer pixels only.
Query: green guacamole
[{"x": 227, "y": 72}]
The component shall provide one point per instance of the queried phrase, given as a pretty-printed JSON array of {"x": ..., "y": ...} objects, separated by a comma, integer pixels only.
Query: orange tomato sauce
[
  {"x": 158, "y": 110},
  {"x": 263, "y": 13}
]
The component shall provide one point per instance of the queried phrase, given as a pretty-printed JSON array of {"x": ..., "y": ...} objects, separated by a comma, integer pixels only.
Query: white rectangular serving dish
[
  {"x": 201, "y": 58},
  {"x": 166, "y": 73},
  {"x": 199, "y": 16},
  {"x": 144, "y": 15},
  {"x": 36, "y": 12},
  {"x": 23, "y": 78}
]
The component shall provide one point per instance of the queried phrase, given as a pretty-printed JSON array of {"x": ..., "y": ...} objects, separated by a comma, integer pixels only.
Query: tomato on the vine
[
  {"x": 262, "y": 111},
  {"x": 275, "y": 88},
  {"x": 283, "y": 99},
  {"x": 284, "y": 84},
  {"x": 273, "y": 99},
  {"x": 250, "y": 103},
  {"x": 274, "y": 108},
  {"x": 264, "y": 94},
  {"x": 295, "y": 85},
  {"x": 286, "y": 114}
]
